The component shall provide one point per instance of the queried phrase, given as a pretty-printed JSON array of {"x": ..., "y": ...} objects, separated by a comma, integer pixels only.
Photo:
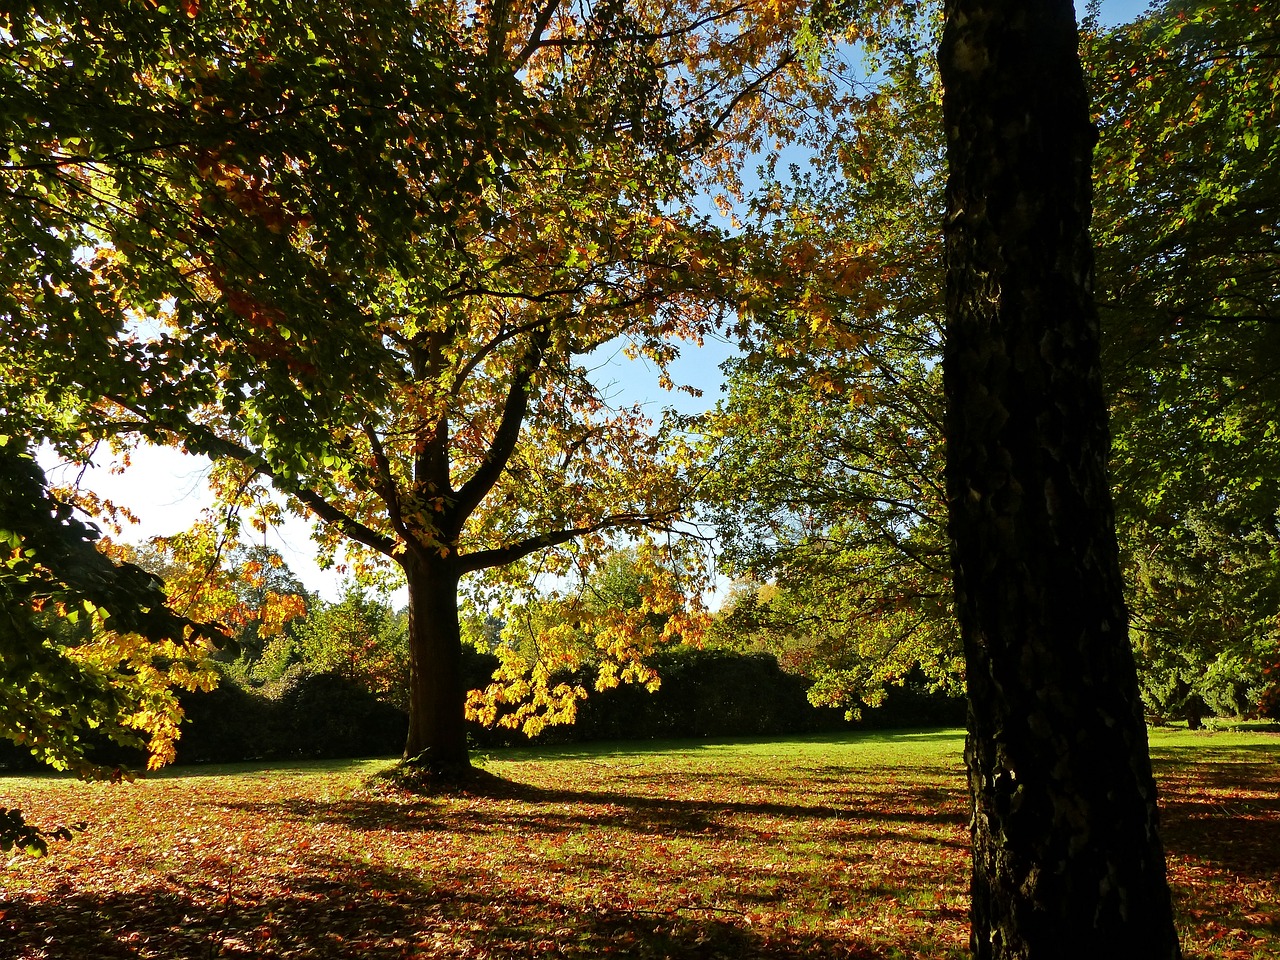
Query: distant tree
[
  {"x": 270, "y": 594},
  {"x": 358, "y": 637},
  {"x": 209, "y": 577},
  {"x": 1067, "y": 859}
]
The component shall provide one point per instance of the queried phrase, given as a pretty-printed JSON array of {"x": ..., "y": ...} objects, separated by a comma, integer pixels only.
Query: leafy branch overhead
[
  {"x": 831, "y": 441},
  {"x": 88, "y": 643}
]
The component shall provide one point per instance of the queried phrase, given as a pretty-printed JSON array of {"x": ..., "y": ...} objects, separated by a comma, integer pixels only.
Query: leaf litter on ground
[{"x": 853, "y": 847}]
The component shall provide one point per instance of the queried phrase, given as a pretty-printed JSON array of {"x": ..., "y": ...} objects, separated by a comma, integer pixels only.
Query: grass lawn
[{"x": 852, "y": 847}]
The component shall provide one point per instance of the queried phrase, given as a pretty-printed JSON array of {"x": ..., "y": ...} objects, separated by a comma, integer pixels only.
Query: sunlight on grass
[{"x": 848, "y": 846}]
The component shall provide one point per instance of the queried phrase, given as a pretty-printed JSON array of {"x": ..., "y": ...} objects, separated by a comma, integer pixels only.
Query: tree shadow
[
  {"x": 338, "y": 908},
  {"x": 1225, "y": 814},
  {"x": 564, "y": 810}
]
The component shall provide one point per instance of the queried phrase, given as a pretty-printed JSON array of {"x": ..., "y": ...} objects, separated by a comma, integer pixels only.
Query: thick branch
[
  {"x": 501, "y": 556},
  {"x": 484, "y": 352},
  {"x": 385, "y": 483},
  {"x": 508, "y": 432},
  {"x": 540, "y": 25},
  {"x": 216, "y": 447},
  {"x": 200, "y": 439}
]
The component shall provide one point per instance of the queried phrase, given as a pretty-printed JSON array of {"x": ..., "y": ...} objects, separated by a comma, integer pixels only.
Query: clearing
[{"x": 848, "y": 847}]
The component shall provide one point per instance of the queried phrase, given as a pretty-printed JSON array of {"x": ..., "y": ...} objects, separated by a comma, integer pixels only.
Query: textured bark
[
  {"x": 1067, "y": 860},
  {"x": 437, "y": 724}
]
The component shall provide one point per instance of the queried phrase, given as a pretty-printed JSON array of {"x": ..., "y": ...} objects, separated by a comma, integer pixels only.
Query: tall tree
[
  {"x": 1067, "y": 860},
  {"x": 1187, "y": 262},
  {"x": 1188, "y": 229},
  {"x": 402, "y": 359}
]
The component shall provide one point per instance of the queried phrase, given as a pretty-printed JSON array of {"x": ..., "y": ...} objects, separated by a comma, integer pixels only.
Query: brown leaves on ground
[
  {"x": 1221, "y": 827},
  {"x": 855, "y": 849}
]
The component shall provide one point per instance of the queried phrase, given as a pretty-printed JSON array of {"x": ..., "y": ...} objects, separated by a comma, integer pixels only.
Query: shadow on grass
[
  {"x": 1226, "y": 814},
  {"x": 558, "y": 811},
  {"x": 336, "y": 908},
  {"x": 1208, "y": 752}
]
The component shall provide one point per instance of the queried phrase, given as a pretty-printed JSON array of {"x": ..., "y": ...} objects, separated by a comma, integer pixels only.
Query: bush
[
  {"x": 721, "y": 693},
  {"x": 913, "y": 704},
  {"x": 226, "y": 724},
  {"x": 703, "y": 693},
  {"x": 303, "y": 714},
  {"x": 326, "y": 715}
]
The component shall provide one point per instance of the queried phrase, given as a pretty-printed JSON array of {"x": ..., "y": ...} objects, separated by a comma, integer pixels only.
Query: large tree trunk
[
  {"x": 437, "y": 723},
  {"x": 1067, "y": 862}
]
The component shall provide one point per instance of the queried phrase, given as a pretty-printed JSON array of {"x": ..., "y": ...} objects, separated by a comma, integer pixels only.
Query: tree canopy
[
  {"x": 1190, "y": 394},
  {"x": 1188, "y": 260},
  {"x": 828, "y": 445},
  {"x": 362, "y": 254}
]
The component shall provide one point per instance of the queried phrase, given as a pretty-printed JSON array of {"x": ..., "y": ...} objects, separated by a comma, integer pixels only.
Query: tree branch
[
  {"x": 507, "y": 434},
  {"x": 200, "y": 439},
  {"x": 500, "y": 556}
]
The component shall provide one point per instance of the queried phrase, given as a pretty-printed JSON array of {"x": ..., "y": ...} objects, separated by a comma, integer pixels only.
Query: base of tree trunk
[{"x": 428, "y": 779}]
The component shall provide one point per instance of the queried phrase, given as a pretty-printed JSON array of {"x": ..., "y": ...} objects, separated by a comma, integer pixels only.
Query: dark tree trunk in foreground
[
  {"x": 437, "y": 723},
  {"x": 1067, "y": 859}
]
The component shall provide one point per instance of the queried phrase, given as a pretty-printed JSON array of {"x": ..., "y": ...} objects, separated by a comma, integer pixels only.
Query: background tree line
[{"x": 306, "y": 677}]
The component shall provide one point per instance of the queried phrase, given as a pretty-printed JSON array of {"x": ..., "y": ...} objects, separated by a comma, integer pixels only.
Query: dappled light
[{"x": 854, "y": 847}]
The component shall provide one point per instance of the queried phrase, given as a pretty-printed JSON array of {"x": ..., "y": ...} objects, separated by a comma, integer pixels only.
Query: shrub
[
  {"x": 226, "y": 724},
  {"x": 330, "y": 715}
]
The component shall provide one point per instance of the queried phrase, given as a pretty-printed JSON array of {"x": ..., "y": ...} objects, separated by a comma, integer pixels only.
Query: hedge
[{"x": 704, "y": 693}]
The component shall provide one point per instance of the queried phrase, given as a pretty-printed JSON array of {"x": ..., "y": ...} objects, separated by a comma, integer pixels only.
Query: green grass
[{"x": 853, "y": 846}]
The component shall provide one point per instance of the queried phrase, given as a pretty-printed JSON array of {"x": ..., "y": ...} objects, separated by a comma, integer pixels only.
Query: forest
[{"x": 993, "y": 450}]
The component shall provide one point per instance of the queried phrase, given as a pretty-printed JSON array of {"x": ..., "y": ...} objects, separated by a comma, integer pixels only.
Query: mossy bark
[{"x": 1067, "y": 860}]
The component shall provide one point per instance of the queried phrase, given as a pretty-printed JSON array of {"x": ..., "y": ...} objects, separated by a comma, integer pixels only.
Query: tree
[
  {"x": 1066, "y": 852},
  {"x": 828, "y": 448},
  {"x": 1188, "y": 259},
  {"x": 89, "y": 646},
  {"x": 604, "y": 623},
  {"x": 359, "y": 638},
  {"x": 372, "y": 253},
  {"x": 210, "y": 578},
  {"x": 88, "y": 643},
  {"x": 269, "y": 593},
  {"x": 826, "y": 444}
]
